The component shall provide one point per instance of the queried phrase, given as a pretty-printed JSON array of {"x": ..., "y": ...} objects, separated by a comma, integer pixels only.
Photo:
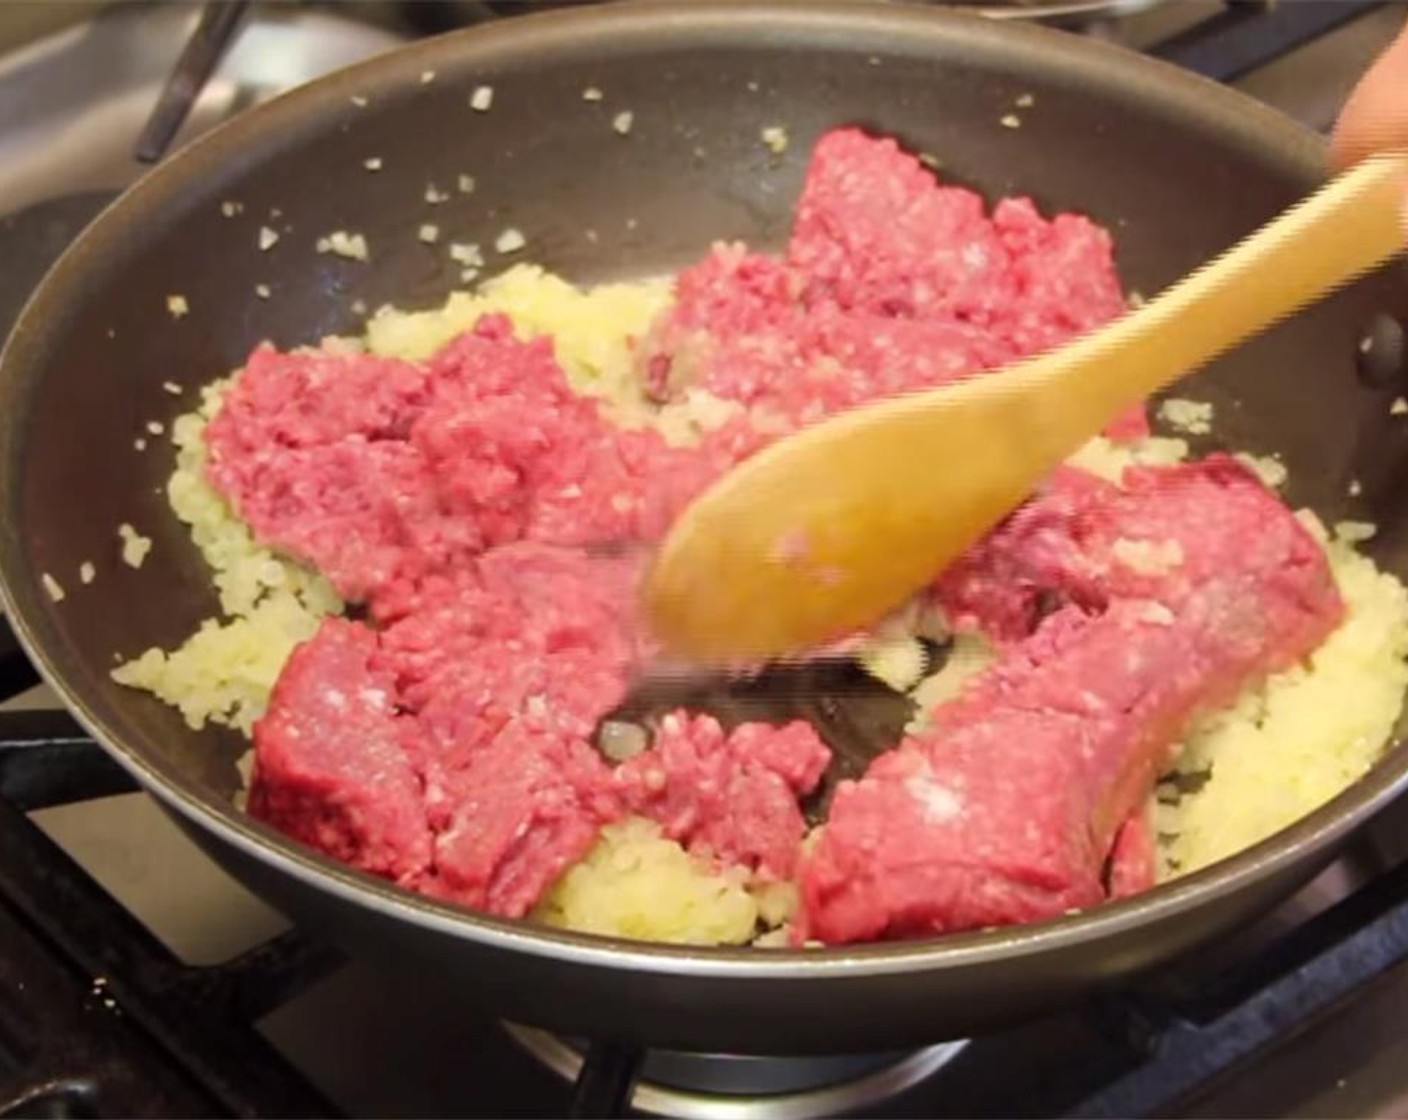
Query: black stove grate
[
  {"x": 98, "y": 1017},
  {"x": 1249, "y": 34},
  {"x": 1184, "y": 1043}
]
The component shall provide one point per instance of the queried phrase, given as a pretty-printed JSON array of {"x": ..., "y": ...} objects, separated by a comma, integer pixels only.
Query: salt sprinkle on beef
[{"x": 329, "y": 769}]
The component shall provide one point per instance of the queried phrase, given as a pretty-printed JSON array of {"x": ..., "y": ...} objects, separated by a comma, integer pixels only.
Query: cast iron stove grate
[{"x": 97, "y": 1017}]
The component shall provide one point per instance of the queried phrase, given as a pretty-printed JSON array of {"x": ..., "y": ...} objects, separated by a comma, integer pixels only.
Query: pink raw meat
[
  {"x": 310, "y": 398},
  {"x": 1063, "y": 274},
  {"x": 329, "y": 769},
  {"x": 1077, "y": 539},
  {"x": 383, "y": 474},
  {"x": 732, "y": 797},
  {"x": 734, "y": 328},
  {"x": 891, "y": 282},
  {"x": 535, "y": 632},
  {"x": 1030, "y": 565},
  {"x": 875, "y": 233},
  {"x": 485, "y": 789},
  {"x": 1006, "y": 808},
  {"x": 527, "y": 806}
]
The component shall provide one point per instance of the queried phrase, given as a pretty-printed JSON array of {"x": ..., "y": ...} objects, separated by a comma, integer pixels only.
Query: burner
[{"x": 736, "y": 1087}]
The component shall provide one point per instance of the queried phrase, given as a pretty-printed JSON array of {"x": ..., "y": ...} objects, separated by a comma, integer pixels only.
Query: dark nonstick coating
[{"x": 1177, "y": 168}]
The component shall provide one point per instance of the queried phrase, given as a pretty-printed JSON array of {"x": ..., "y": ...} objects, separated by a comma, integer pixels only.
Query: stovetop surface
[{"x": 376, "y": 1047}]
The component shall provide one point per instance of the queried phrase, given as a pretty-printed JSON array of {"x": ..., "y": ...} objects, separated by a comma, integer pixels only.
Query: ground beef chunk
[
  {"x": 499, "y": 414},
  {"x": 531, "y": 632},
  {"x": 1006, "y": 809},
  {"x": 311, "y": 398},
  {"x": 1160, "y": 535},
  {"x": 1062, "y": 272},
  {"x": 515, "y": 451},
  {"x": 477, "y": 700},
  {"x": 735, "y": 328},
  {"x": 731, "y": 796},
  {"x": 476, "y": 716},
  {"x": 875, "y": 233},
  {"x": 355, "y": 510},
  {"x": 756, "y": 344},
  {"x": 527, "y": 806},
  {"x": 313, "y": 450},
  {"x": 856, "y": 357},
  {"x": 483, "y": 787},
  {"x": 404, "y": 480},
  {"x": 329, "y": 768},
  {"x": 1219, "y": 519},
  {"x": 891, "y": 282},
  {"x": 631, "y": 485},
  {"x": 310, "y": 448}
]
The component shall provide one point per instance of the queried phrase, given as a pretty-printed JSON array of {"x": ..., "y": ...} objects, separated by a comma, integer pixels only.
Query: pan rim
[{"x": 614, "y": 29}]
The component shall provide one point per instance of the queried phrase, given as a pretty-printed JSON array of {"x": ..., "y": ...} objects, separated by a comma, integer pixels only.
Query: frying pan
[{"x": 1176, "y": 167}]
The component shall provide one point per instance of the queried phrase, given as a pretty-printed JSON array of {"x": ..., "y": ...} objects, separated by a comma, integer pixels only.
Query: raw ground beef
[
  {"x": 731, "y": 796},
  {"x": 465, "y": 501},
  {"x": 890, "y": 282},
  {"x": 1028, "y": 566},
  {"x": 526, "y": 806},
  {"x": 484, "y": 446},
  {"x": 1160, "y": 535},
  {"x": 451, "y": 750},
  {"x": 875, "y": 232},
  {"x": 330, "y": 769},
  {"x": 1007, "y": 807},
  {"x": 529, "y": 632}
]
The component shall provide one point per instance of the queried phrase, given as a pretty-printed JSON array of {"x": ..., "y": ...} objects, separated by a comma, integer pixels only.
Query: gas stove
[{"x": 136, "y": 978}]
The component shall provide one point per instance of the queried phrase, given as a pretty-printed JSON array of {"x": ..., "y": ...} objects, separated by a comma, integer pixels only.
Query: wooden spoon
[{"x": 827, "y": 530}]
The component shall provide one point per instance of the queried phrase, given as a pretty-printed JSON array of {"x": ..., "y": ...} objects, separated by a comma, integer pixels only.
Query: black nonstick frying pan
[{"x": 1176, "y": 167}]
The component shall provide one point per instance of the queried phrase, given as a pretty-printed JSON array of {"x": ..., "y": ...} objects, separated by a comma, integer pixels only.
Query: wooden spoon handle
[{"x": 1347, "y": 228}]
